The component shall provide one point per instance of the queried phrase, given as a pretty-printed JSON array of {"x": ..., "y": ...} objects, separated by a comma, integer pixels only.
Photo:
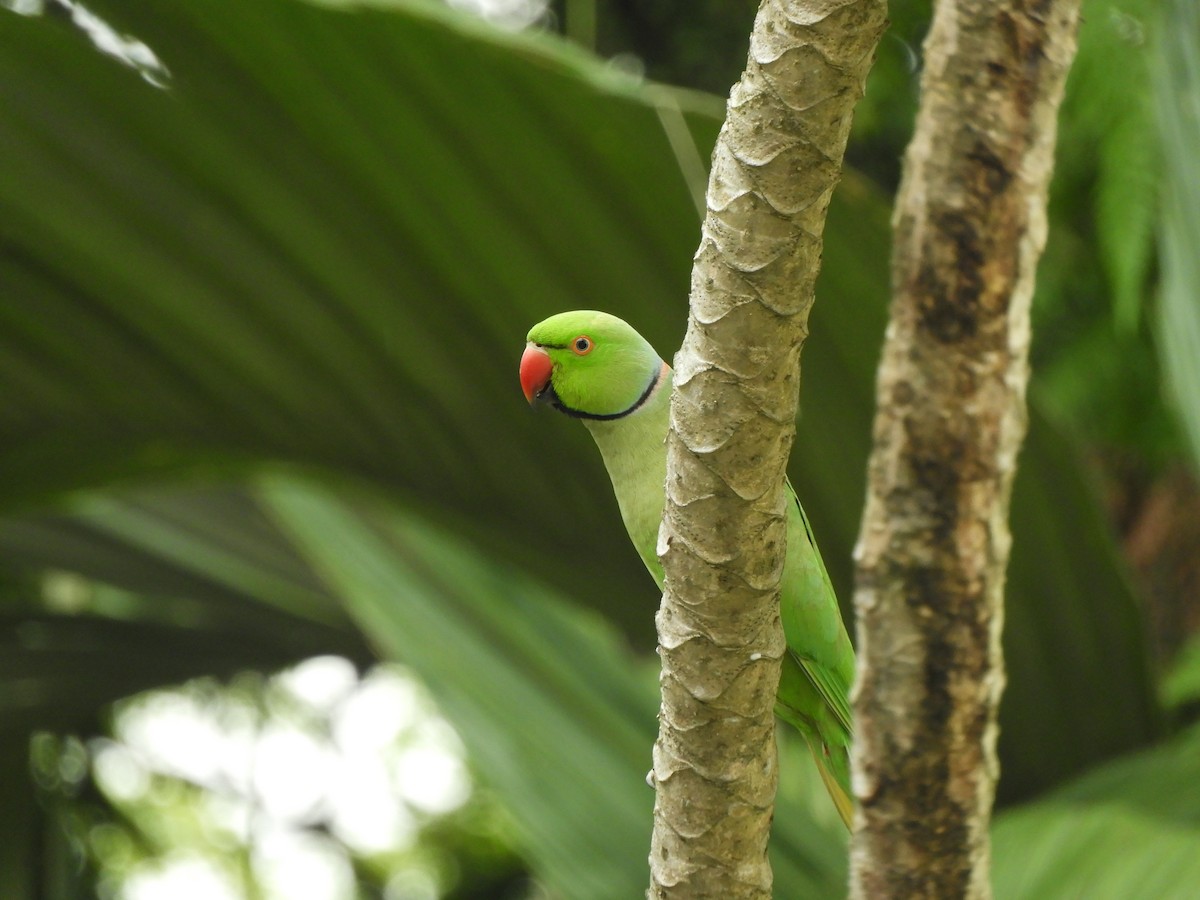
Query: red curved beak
[{"x": 535, "y": 371}]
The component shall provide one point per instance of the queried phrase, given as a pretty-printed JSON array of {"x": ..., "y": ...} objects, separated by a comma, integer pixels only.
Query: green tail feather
[{"x": 834, "y": 765}]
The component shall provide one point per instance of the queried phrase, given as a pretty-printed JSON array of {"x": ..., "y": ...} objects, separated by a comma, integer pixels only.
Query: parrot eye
[{"x": 582, "y": 345}]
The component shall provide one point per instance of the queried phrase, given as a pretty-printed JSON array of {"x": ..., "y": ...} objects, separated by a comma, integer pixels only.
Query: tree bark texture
[
  {"x": 970, "y": 224},
  {"x": 733, "y": 411}
]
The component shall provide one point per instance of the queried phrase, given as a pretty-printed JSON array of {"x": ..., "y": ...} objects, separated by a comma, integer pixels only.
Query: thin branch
[
  {"x": 970, "y": 225},
  {"x": 733, "y": 410}
]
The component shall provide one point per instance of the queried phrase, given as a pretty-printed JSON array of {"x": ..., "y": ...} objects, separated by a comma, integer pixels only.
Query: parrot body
[{"x": 595, "y": 367}]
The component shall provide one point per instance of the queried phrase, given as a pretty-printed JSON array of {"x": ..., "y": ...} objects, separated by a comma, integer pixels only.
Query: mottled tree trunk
[
  {"x": 733, "y": 410},
  {"x": 970, "y": 224}
]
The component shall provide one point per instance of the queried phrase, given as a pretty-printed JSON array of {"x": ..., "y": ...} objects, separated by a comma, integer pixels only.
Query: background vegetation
[{"x": 265, "y": 273}]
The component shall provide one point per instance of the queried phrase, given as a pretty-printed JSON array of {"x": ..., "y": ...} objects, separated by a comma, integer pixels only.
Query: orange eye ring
[{"x": 582, "y": 345}]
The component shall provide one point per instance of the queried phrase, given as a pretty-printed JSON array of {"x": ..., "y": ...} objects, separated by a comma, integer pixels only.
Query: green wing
[
  {"x": 814, "y": 688},
  {"x": 828, "y": 675},
  {"x": 832, "y": 692}
]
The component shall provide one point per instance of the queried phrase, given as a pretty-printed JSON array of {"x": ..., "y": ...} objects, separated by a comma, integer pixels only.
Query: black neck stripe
[{"x": 552, "y": 397}]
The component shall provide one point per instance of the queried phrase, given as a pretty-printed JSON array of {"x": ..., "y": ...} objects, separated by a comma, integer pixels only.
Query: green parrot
[{"x": 596, "y": 368}]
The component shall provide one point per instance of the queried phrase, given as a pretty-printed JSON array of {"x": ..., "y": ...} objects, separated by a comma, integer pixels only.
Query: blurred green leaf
[
  {"x": 1177, "y": 90},
  {"x": 1126, "y": 831},
  {"x": 21, "y": 823},
  {"x": 209, "y": 543},
  {"x": 1106, "y": 135},
  {"x": 178, "y": 585},
  {"x": 1099, "y": 369},
  {"x": 1075, "y": 642},
  {"x": 1106, "y": 386},
  {"x": 1181, "y": 684},
  {"x": 324, "y": 242}
]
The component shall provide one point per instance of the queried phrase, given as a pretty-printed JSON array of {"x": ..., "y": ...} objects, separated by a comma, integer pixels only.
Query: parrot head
[{"x": 590, "y": 365}]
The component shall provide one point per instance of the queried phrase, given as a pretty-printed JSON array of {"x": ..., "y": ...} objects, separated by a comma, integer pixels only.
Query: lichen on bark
[
  {"x": 970, "y": 225},
  {"x": 733, "y": 410}
]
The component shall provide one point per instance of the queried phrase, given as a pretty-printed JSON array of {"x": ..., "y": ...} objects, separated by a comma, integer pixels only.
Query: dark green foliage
[
  {"x": 1177, "y": 81},
  {"x": 1129, "y": 829}
]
